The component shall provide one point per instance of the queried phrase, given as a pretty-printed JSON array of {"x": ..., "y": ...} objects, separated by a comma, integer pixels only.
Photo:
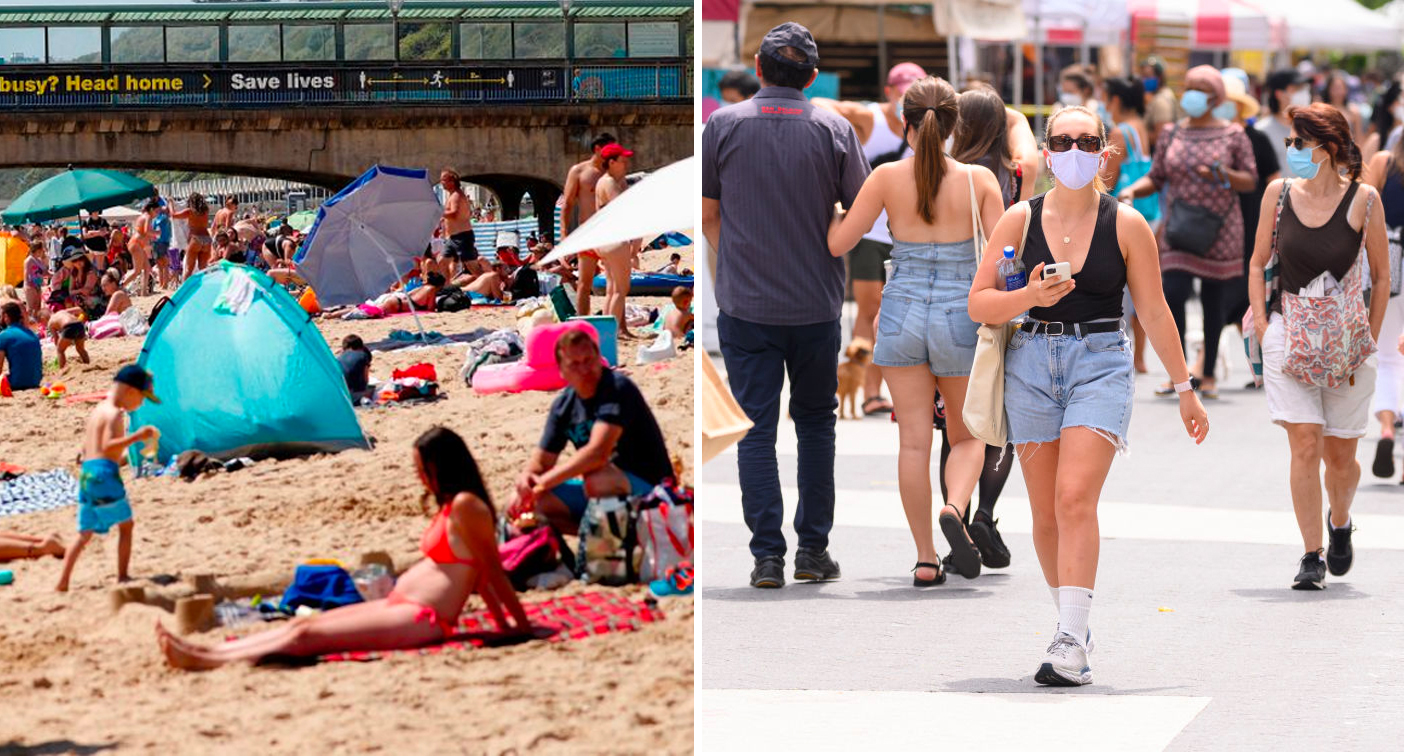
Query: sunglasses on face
[
  {"x": 1295, "y": 142},
  {"x": 1063, "y": 143}
]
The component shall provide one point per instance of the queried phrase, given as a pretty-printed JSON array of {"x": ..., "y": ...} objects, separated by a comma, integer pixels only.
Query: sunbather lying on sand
[
  {"x": 21, "y": 546},
  {"x": 461, "y": 559}
]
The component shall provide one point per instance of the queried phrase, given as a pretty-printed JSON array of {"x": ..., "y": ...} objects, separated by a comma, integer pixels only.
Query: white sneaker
[{"x": 1065, "y": 663}]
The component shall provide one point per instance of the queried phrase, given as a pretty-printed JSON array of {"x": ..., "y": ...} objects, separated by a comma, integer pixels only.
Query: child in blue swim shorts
[{"x": 102, "y": 499}]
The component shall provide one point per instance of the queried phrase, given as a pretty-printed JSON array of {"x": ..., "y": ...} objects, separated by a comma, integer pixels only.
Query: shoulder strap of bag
[
  {"x": 1129, "y": 134},
  {"x": 1276, "y": 218},
  {"x": 977, "y": 233},
  {"x": 1024, "y": 237}
]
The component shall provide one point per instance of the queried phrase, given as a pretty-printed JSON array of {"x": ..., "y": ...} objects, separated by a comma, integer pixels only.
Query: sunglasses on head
[
  {"x": 1063, "y": 143},
  {"x": 1293, "y": 142}
]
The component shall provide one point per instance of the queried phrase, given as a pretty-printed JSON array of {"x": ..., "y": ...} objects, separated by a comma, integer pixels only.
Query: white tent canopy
[
  {"x": 660, "y": 203},
  {"x": 1221, "y": 25},
  {"x": 1334, "y": 25},
  {"x": 1076, "y": 22}
]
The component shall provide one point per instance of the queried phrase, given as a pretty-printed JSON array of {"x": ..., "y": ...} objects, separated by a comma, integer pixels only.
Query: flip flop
[
  {"x": 884, "y": 406},
  {"x": 964, "y": 556},
  {"x": 1384, "y": 459}
]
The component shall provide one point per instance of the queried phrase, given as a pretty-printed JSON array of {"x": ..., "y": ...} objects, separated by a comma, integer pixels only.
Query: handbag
[
  {"x": 1136, "y": 165},
  {"x": 1190, "y": 228},
  {"x": 664, "y": 530},
  {"x": 1328, "y": 337},
  {"x": 983, "y": 411},
  {"x": 1251, "y": 344}
]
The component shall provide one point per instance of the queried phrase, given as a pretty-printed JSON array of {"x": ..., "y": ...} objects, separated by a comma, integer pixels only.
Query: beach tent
[
  {"x": 241, "y": 370},
  {"x": 13, "y": 250}
]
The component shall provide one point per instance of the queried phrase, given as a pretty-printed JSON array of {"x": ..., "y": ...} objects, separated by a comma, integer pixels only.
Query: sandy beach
[{"x": 75, "y": 678}]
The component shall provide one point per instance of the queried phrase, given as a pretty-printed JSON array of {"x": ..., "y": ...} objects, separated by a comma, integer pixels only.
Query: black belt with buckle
[{"x": 1058, "y": 328}]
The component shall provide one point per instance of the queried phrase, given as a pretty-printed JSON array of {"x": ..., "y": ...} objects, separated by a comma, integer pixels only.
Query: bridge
[{"x": 508, "y": 92}]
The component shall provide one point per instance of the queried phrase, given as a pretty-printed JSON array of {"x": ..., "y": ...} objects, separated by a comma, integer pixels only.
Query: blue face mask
[
  {"x": 1151, "y": 84},
  {"x": 1227, "y": 110},
  {"x": 1301, "y": 164},
  {"x": 1195, "y": 103}
]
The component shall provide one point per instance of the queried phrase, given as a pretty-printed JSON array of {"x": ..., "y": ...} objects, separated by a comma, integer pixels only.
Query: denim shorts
[
  {"x": 924, "y": 320},
  {"x": 1052, "y": 383}
]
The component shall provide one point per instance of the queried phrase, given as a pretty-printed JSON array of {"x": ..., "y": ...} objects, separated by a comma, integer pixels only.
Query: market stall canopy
[
  {"x": 661, "y": 202},
  {"x": 62, "y": 196},
  {"x": 1076, "y": 22},
  {"x": 1335, "y": 25},
  {"x": 1212, "y": 24}
]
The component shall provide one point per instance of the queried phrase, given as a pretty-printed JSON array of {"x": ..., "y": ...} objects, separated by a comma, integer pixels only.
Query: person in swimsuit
[
  {"x": 139, "y": 245},
  {"x": 68, "y": 329},
  {"x": 617, "y": 259},
  {"x": 197, "y": 213},
  {"x": 461, "y": 559},
  {"x": 459, "y": 246},
  {"x": 579, "y": 198},
  {"x": 925, "y": 339}
]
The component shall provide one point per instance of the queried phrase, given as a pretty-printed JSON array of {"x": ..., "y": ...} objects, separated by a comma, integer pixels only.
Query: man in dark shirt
[
  {"x": 19, "y": 349},
  {"x": 772, "y": 169},
  {"x": 355, "y": 362},
  {"x": 619, "y": 450}
]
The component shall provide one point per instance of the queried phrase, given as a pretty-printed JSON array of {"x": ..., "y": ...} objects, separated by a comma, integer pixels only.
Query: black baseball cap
[
  {"x": 791, "y": 34},
  {"x": 1287, "y": 77},
  {"x": 137, "y": 378}
]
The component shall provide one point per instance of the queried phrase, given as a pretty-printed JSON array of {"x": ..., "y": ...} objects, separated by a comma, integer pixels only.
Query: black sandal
[
  {"x": 965, "y": 556},
  {"x": 939, "y": 579},
  {"x": 869, "y": 411}
]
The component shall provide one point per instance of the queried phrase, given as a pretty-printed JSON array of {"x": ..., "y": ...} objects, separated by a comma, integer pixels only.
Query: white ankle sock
[
  {"x": 1053, "y": 591},
  {"x": 1074, "y": 605}
]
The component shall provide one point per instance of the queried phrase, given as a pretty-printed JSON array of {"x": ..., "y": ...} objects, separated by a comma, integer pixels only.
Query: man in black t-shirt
[{"x": 619, "y": 450}]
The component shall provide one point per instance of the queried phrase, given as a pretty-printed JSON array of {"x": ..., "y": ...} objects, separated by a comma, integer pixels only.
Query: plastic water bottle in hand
[{"x": 1012, "y": 275}]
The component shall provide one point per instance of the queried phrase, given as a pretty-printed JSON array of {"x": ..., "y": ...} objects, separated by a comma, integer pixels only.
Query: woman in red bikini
[{"x": 461, "y": 559}]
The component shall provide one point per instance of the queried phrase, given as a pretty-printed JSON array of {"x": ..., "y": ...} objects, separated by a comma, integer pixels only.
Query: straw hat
[{"x": 1234, "y": 90}]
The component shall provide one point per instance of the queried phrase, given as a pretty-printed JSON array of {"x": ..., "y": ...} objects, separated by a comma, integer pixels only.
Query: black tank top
[
  {"x": 1305, "y": 252},
  {"x": 1103, "y": 276}
]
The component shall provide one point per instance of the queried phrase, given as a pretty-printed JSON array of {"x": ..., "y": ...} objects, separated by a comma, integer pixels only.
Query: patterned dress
[{"x": 1173, "y": 170}]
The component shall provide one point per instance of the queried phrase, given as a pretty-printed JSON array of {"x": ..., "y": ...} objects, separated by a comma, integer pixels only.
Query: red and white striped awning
[
  {"x": 1214, "y": 24},
  {"x": 1076, "y": 22}
]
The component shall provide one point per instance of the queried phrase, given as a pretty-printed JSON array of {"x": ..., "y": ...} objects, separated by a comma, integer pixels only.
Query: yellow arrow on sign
[{"x": 207, "y": 80}]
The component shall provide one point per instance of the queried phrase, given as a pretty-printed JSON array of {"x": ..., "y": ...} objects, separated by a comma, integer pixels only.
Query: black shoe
[
  {"x": 964, "y": 556},
  {"x": 993, "y": 552},
  {"x": 1340, "y": 553},
  {"x": 1384, "y": 459},
  {"x": 769, "y": 572},
  {"x": 815, "y": 565},
  {"x": 920, "y": 583},
  {"x": 1312, "y": 575}
]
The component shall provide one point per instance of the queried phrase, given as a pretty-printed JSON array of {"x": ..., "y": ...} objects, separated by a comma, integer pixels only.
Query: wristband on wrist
[{"x": 1181, "y": 388}]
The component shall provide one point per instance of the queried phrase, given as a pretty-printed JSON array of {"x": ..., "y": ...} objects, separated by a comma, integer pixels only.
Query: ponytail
[
  {"x": 1353, "y": 160},
  {"x": 929, "y": 106}
]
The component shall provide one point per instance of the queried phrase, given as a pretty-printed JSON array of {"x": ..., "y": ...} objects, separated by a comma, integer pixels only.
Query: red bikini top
[{"x": 435, "y": 541}]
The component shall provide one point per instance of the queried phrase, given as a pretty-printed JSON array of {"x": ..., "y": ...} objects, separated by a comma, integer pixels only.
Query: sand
[{"x": 74, "y": 677}]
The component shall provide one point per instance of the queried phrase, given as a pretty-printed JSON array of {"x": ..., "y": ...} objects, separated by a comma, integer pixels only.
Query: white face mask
[
  {"x": 1074, "y": 168},
  {"x": 1301, "y": 98},
  {"x": 1070, "y": 99},
  {"x": 1398, "y": 113}
]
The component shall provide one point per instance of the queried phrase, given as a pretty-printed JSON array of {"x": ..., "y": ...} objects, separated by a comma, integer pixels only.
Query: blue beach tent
[{"x": 241, "y": 370}]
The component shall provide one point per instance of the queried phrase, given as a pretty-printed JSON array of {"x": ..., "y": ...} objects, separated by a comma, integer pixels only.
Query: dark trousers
[
  {"x": 1216, "y": 297},
  {"x": 758, "y": 357}
]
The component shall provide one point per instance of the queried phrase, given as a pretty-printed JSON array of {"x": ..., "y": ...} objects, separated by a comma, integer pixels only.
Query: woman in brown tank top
[{"x": 1320, "y": 230}]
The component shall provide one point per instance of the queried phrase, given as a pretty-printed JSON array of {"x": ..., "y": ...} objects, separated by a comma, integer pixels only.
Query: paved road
[{"x": 1201, "y": 645}]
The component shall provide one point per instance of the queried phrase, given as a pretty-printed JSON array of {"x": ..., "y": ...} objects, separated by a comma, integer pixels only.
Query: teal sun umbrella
[{"x": 62, "y": 196}]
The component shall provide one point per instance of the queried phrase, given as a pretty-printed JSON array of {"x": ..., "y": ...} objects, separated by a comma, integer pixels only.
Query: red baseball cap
[
  {"x": 615, "y": 150},
  {"x": 903, "y": 75}
]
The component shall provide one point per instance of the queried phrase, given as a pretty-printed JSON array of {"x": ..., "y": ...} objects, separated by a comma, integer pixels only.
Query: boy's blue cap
[{"x": 137, "y": 378}]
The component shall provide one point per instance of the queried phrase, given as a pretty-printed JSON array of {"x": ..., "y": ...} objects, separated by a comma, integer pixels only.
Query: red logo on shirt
[{"x": 780, "y": 110}]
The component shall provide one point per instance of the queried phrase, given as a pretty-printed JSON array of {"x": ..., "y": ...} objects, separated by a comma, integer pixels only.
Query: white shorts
[{"x": 1342, "y": 412}]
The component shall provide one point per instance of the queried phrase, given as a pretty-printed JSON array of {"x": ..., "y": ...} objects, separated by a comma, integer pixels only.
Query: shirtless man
[
  {"x": 618, "y": 260},
  {"x": 580, "y": 197},
  {"x": 224, "y": 219},
  {"x": 879, "y": 129},
  {"x": 458, "y": 227}
]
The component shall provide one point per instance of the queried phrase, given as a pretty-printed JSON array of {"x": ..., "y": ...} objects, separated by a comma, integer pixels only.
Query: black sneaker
[
  {"x": 1312, "y": 575},
  {"x": 1340, "y": 553},
  {"x": 815, "y": 565},
  {"x": 993, "y": 552},
  {"x": 769, "y": 572},
  {"x": 1384, "y": 459}
]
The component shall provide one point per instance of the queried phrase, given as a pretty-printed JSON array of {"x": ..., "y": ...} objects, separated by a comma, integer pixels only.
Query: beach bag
[
  {"x": 1191, "y": 228},
  {"x": 1136, "y": 165},
  {"x": 529, "y": 555},
  {"x": 665, "y": 531},
  {"x": 983, "y": 412},
  {"x": 320, "y": 586},
  {"x": 1251, "y": 344},
  {"x": 452, "y": 299},
  {"x": 1328, "y": 337},
  {"x": 608, "y": 551},
  {"x": 133, "y": 322},
  {"x": 525, "y": 284}
]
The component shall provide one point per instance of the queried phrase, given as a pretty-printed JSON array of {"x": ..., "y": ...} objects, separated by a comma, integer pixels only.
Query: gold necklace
[{"x": 1066, "y": 238}]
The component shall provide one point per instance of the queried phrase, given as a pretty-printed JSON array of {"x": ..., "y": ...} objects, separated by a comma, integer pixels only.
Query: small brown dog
[{"x": 851, "y": 374}]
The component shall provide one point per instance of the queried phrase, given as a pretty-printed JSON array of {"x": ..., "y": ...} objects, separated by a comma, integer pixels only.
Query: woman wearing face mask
[
  {"x": 1325, "y": 216},
  {"x": 1336, "y": 93},
  {"x": 925, "y": 339},
  {"x": 1202, "y": 163},
  {"x": 1385, "y": 172},
  {"x": 1388, "y": 113},
  {"x": 1068, "y": 379}
]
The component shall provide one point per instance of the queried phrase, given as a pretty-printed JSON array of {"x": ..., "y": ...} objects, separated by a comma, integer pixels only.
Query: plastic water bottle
[{"x": 1011, "y": 271}]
